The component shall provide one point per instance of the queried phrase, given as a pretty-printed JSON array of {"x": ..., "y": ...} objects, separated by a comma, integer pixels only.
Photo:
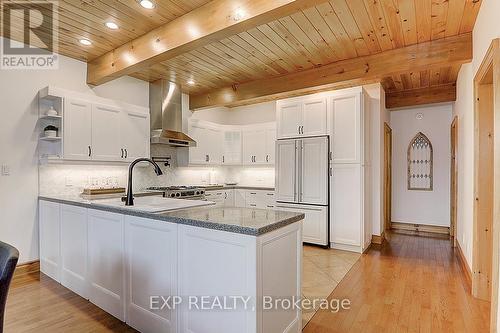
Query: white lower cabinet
[
  {"x": 315, "y": 225},
  {"x": 74, "y": 249},
  {"x": 50, "y": 229},
  {"x": 259, "y": 199},
  {"x": 151, "y": 271},
  {"x": 106, "y": 261},
  {"x": 346, "y": 207}
]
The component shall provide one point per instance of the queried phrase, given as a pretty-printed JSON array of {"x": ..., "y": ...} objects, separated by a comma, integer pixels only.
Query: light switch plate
[{"x": 5, "y": 170}]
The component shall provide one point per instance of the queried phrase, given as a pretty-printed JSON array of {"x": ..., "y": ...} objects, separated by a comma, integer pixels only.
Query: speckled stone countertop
[{"x": 246, "y": 221}]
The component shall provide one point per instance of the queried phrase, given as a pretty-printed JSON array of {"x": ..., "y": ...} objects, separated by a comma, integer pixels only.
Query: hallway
[{"x": 410, "y": 284}]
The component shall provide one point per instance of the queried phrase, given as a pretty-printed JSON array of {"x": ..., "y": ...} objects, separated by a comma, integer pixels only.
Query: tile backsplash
[{"x": 66, "y": 178}]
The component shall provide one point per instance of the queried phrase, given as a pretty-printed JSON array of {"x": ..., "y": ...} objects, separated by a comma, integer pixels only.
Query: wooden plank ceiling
[{"x": 312, "y": 37}]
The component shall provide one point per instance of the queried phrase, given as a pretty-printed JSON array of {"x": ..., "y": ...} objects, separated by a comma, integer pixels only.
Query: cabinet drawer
[{"x": 259, "y": 199}]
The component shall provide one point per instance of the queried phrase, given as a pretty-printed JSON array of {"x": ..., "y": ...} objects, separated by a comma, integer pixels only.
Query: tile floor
[{"x": 322, "y": 270}]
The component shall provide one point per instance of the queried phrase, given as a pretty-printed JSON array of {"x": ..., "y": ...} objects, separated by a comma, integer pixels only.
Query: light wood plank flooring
[{"x": 411, "y": 284}]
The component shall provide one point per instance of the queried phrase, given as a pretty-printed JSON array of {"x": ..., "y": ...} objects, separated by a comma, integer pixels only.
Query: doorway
[
  {"x": 487, "y": 180},
  {"x": 387, "y": 176},
  {"x": 453, "y": 181}
]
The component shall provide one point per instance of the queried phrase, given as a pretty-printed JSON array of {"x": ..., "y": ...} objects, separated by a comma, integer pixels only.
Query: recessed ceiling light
[
  {"x": 85, "y": 42},
  {"x": 190, "y": 82},
  {"x": 112, "y": 25},
  {"x": 148, "y": 4}
]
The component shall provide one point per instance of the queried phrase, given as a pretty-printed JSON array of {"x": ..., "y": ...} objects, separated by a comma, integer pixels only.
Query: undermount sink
[{"x": 153, "y": 204}]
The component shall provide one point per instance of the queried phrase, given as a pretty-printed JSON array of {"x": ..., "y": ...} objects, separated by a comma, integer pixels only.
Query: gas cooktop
[{"x": 184, "y": 192}]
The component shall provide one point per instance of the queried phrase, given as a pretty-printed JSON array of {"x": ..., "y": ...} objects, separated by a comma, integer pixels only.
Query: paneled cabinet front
[
  {"x": 151, "y": 271},
  {"x": 106, "y": 261},
  {"x": 103, "y": 132},
  {"x": 300, "y": 117}
]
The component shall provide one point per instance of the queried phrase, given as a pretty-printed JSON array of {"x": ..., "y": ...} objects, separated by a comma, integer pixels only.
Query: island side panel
[
  {"x": 279, "y": 276},
  {"x": 216, "y": 263}
]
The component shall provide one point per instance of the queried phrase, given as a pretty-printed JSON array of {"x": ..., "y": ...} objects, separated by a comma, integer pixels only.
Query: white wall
[
  {"x": 241, "y": 115},
  {"x": 18, "y": 141},
  {"x": 485, "y": 30},
  {"x": 421, "y": 207}
]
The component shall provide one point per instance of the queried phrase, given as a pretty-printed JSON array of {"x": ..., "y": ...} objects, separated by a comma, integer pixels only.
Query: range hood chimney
[{"x": 165, "y": 103}]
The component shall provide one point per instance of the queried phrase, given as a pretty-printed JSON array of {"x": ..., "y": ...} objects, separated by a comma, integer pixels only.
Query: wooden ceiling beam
[
  {"x": 428, "y": 95},
  {"x": 214, "y": 21},
  {"x": 357, "y": 71}
]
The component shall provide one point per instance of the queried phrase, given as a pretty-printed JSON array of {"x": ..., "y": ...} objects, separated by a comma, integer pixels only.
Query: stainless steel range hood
[{"x": 165, "y": 103}]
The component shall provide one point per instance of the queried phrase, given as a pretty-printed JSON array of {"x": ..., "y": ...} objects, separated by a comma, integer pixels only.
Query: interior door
[
  {"x": 106, "y": 128},
  {"x": 289, "y": 119},
  {"x": 286, "y": 170},
  {"x": 77, "y": 129},
  {"x": 314, "y": 171},
  {"x": 135, "y": 138},
  {"x": 314, "y": 117}
]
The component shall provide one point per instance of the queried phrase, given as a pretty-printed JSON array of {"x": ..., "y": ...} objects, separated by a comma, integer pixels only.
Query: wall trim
[
  {"x": 27, "y": 268},
  {"x": 378, "y": 240},
  {"x": 415, "y": 227},
  {"x": 467, "y": 273}
]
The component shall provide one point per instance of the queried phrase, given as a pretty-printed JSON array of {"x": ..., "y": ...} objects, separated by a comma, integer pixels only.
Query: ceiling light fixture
[
  {"x": 85, "y": 42},
  {"x": 112, "y": 25},
  {"x": 191, "y": 82},
  {"x": 148, "y": 4}
]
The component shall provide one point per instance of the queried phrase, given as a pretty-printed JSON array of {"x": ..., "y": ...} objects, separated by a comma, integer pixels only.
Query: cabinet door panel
[
  {"x": 289, "y": 119},
  {"x": 314, "y": 171},
  {"x": 314, "y": 117},
  {"x": 232, "y": 148},
  {"x": 315, "y": 224},
  {"x": 214, "y": 146},
  {"x": 74, "y": 249},
  {"x": 270, "y": 146},
  {"x": 77, "y": 129},
  {"x": 346, "y": 113},
  {"x": 254, "y": 147},
  {"x": 105, "y": 259},
  {"x": 151, "y": 270},
  {"x": 50, "y": 228},
  {"x": 286, "y": 172},
  {"x": 106, "y": 129},
  {"x": 346, "y": 204},
  {"x": 136, "y": 137},
  {"x": 198, "y": 154}
]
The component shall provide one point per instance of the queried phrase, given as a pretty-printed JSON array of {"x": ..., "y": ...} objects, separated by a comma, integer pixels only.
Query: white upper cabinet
[
  {"x": 345, "y": 128},
  {"x": 77, "y": 129},
  {"x": 232, "y": 147},
  {"x": 301, "y": 117},
  {"x": 134, "y": 131},
  {"x": 106, "y": 129},
  {"x": 314, "y": 117},
  {"x": 99, "y": 129},
  {"x": 289, "y": 117}
]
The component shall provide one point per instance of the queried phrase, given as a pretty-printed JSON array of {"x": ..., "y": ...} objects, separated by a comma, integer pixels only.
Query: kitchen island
[{"x": 197, "y": 269}]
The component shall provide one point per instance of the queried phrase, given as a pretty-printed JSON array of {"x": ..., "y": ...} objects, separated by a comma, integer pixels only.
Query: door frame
[
  {"x": 387, "y": 177},
  {"x": 453, "y": 180},
  {"x": 486, "y": 255}
]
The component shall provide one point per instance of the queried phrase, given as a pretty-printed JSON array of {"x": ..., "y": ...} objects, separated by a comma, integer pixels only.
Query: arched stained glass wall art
[{"x": 420, "y": 163}]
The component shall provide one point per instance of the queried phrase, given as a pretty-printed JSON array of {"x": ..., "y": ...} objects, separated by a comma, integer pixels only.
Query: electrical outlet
[{"x": 5, "y": 170}]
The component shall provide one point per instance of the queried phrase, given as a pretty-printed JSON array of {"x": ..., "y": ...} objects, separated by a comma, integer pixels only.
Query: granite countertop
[
  {"x": 246, "y": 221},
  {"x": 239, "y": 187}
]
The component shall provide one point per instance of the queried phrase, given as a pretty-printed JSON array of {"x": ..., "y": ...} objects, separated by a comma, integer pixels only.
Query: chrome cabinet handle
[
  {"x": 299, "y": 129},
  {"x": 126, "y": 153},
  {"x": 267, "y": 158},
  {"x": 223, "y": 159},
  {"x": 122, "y": 152},
  {"x": 90, "y": 151}
]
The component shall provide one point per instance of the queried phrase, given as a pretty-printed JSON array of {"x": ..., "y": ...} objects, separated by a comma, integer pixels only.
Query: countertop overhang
[{"x": 247, "y": 221}]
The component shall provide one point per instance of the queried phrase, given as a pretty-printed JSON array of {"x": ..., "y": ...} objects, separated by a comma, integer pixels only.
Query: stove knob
[
  {"x": 202, "y": 192},
  {"x": 172, "y": 195},
  {"x": 197, "y": 192},
  {"x": 177, "y": 194}
]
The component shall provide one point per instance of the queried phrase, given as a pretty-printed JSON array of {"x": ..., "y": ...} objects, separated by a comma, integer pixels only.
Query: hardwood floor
[
  {"x": 410, "y": 284},
  {"x": 38, "y": 304}
]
